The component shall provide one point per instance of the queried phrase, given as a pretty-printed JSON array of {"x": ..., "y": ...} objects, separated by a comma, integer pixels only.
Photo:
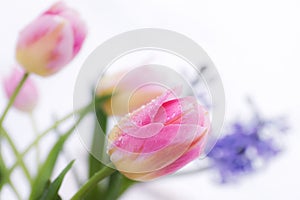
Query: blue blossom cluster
[{"x": 246, "y": 146}]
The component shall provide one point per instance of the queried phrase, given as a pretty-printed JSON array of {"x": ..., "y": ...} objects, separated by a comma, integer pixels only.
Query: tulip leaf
[
  {"x": 40, "y": 182},
  {"x": 98, "y": 142},
  {"x": 52, "y": 190},
  {"x": 97, "y": 147}
]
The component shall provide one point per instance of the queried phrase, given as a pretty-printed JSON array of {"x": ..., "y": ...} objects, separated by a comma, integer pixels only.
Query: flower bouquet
[{"x": 140, "y": 133}]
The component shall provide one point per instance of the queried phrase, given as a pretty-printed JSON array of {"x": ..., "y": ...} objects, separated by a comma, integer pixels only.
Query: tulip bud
[
  {"x": 124, "y": 99},
  {"x": 28, "y": 96},
  {"x": 159, "y": 138},
  {"x": 51, "y": 41}
]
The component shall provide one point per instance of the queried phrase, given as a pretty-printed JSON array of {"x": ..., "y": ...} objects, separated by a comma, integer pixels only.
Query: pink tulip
[
  {"x": 51, "y": 41},
  {"x": 159, "y": 138},
  {"x": 28, "y": 96}
]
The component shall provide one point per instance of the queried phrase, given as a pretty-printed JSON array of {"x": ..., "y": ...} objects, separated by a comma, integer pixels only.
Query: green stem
[
  {"x": 5, "y": 179},
  {"x": 36, "y": 132},
  {"x": 13, "y": 97},
  {"x": 54, "y": 126},
  {"x": 18, "y": 156},
  {"x": 3, "y": 171},
  {"x": 92, "y": 182},
  {"x": 15, "y": 190},
  {"x": 45, "y": 133},
  {"x": 10, "y": 141}
]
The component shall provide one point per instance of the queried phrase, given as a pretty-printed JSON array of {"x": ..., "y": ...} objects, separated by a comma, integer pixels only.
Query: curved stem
[
  {"x": 5, "y": 179},
  {"x": 92, "y": 182},
  {"x": 42, "y": 135},
  {"x": 13, "y": 97},
  {"x": 18, "y": 156},
  {"x": 15, "y": 190},
  {"x": 36, "y": 133},
  {"x": 6, "y": 135},
  {"x": 84, "y": 110},
  {"x": 3, "y": 171}
]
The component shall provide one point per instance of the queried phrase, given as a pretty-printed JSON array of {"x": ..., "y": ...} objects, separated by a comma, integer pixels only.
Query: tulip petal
[
  {"x": 187, "y": 157},
  {"x": 147, "y": 131},
  {"x": 159, "y": 138},
  {"x": 78, "y": 26},
  {"x": 142, "y": 116},
  {"x": 150, "y": 155},
  {"x": 47, "y": 41}
]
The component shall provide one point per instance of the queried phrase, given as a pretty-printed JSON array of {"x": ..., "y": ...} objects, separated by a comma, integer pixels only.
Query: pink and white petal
[
  {"x": 135, "y": 162},
  {"x": 169, "y": 111},
  {"x": 186, "y": 158},
  {"x": 180, "y": 111},
  {"x": 62, "y": 54},
  {"x": 79, "y": 29},
  {"x": 136, "y": 144},
  {"x": 78, "y": 26},
  {"x": 45, "y": 45},
  {"x": 145, "y": 132},
  {"x": 38, "y": 29},
  {"x": 143, "y": 115}
]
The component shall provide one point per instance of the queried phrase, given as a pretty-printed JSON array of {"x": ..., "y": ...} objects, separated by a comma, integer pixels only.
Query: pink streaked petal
[
  {"x": 169, "y": 111},
  {"x": 45, "y": 45},
  {"x": 78, "y": 26},
  {"x": 189, "y": 156},
  {"x": 193, "y": 113},
  {"x": 63, "y": 52},
  {"x": 163, "y": 136},
  {"x": 38, "y": 29},
  {"x": 192, "y": 154},
  {"x": 180, "y": 111},
  {"x": 144, "y": 115},
  {"x": 145, "y": 132},
  {"x": 79, "y": 29},
  {"x": 135, "y": 162},
  {"x": 147, "y": 112}
]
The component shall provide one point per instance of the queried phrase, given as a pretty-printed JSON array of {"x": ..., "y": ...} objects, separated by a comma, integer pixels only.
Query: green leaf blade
[
  {"x": 46, "y": 170},
  {"x": 52, "y": 191}
]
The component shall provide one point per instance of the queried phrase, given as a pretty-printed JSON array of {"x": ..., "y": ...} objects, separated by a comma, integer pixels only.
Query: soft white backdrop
[{"x": 254, "y": 44}]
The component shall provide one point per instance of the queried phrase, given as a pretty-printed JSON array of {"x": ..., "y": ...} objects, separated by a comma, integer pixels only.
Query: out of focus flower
[
  {"x": 124, "y": 99},
  {"x": 28, "y": 96},
  {"x": 245, "y": 148},
  {"x": 159, "y": 138},
  {"x": 51, "y": 41}
]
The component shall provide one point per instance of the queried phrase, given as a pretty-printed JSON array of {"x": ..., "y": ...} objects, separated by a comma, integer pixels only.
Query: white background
[{"x": 254, "y": 44}]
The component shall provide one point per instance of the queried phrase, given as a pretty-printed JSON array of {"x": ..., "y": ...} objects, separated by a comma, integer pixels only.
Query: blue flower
[{"x": 244, "y": 146}]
